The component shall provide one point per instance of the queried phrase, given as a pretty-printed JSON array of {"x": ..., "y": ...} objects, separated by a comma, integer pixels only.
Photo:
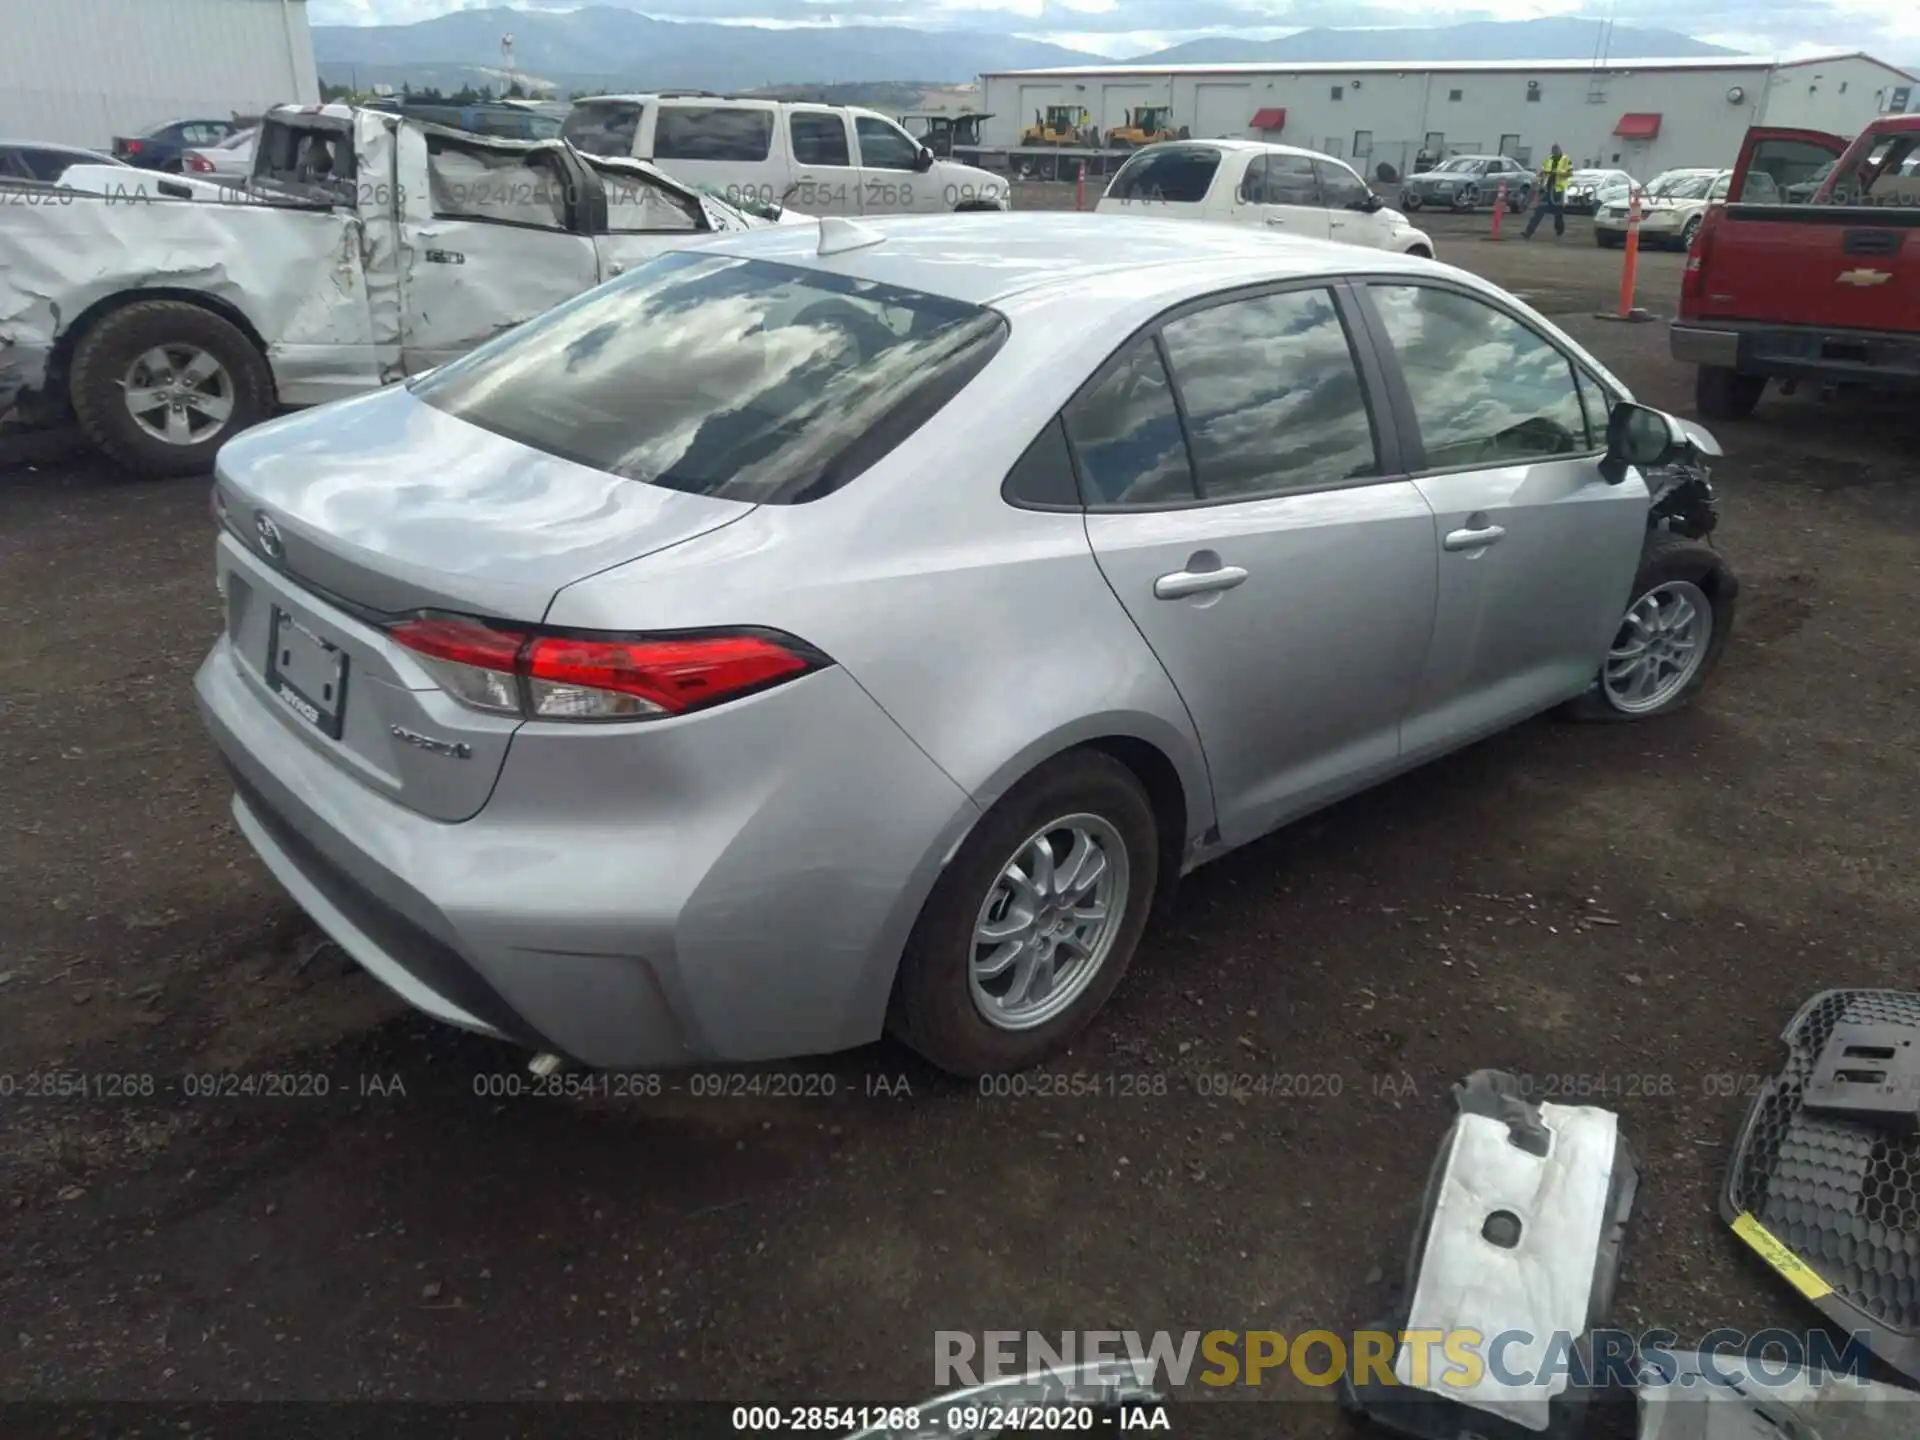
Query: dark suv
[{"x": 164, "y": 146}]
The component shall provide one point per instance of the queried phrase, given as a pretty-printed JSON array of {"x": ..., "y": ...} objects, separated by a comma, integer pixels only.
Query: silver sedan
[{"x": 857, "y": 625}]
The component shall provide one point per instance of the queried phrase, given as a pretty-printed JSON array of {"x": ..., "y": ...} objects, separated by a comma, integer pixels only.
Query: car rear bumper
[
  {"x": 1878, "y": 358},
  {"x": 738, "y": 891}
]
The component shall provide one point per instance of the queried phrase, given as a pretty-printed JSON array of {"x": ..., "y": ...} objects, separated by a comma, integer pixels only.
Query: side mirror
[
  {"x": 1372, "y": 203},
  {"x": 923, "y": 160},
  {"x": 1636, "y": 437}
]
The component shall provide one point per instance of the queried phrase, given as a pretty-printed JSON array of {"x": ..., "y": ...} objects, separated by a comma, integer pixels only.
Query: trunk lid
[
  {"x": 1780, "y": 258},
  {"x": 346, "y": 517}
]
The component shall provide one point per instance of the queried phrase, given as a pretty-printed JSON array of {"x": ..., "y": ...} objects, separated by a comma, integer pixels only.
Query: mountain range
[{"x": 604, "y": 47}]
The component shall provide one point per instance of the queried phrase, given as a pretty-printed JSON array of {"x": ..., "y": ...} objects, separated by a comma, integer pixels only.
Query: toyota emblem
[{"x": 269, "y": 535}]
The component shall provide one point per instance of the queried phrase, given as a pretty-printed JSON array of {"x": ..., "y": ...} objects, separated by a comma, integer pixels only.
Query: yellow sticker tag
[{"x": 1797, "y": 1272}]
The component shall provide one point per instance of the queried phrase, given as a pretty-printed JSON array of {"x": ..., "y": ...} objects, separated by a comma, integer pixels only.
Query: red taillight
[
  {"x": 1693, "y": 279},
  {"x": 134, "y": 147},
  {"x": 590, "y": 677},
  {"x": 199, "y": 164}
]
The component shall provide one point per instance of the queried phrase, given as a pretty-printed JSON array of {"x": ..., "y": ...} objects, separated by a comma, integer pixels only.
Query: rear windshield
[
  {"x": 1175, "y": 175},
  {"x": 739, "y": 379}
]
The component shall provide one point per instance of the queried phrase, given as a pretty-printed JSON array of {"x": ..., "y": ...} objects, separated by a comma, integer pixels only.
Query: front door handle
[
  {"x": 1182, "y": 583},
  {"x": 1474, "y": 539},
  {"x": 1272, "y": 220}
]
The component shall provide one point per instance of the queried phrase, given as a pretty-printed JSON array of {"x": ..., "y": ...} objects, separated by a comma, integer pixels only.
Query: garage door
[
  {"x": 1222, "y": 111},
  {"x": 1116, "y": 100}
]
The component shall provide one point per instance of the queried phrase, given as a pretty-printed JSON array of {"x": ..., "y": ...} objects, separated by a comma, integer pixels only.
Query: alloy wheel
[
  {"x": 1048, "y": 922},
  {"x": 1661, "y": 646},
  {"x": 179, "y": 394}
]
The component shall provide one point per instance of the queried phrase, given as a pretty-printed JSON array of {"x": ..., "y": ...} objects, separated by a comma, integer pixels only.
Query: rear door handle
[
  {"x": 1474, "y": 539},
  {"x": 1182, "y": 583}
]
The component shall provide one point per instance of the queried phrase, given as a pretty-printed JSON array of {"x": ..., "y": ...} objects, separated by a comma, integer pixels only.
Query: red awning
[
  {"x": 1270, "y": 119},
  {"x": 1638, "y": 127}
]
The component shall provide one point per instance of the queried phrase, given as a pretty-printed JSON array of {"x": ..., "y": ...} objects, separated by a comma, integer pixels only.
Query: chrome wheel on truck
[{"x": 179, "y": 394}]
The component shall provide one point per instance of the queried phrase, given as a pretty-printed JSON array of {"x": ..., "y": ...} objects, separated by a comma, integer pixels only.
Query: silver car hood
[{"x": 388, "y": 504}]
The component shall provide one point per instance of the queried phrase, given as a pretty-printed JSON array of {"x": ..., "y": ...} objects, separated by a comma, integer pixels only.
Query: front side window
[
  {"x": 603, "y": 127},
  {"x": 1486, "y": 389},
  {"x": 712, "y": 132},
  {"x": 1291, "y": 181},
  {"x": 884, "y": 146},
  {"x": 1174, "y": 174},
  {"x": 1272, "y": 395},
  {"x": 1340, "y": 187},
  {"x": 740, "y": 379},
  {"x": 469, "y": 180},
  {"x": 1126, "y": 435},
  {"x": 636, "y": 204},
  {"x": 1879, "y": 174},
  {"x": 819, "y": 138}
]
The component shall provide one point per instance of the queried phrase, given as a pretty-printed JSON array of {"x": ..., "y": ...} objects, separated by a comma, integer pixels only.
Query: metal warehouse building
[
  {"x": 78, "y": 72},
  {"x": 1642, "y": 116}
]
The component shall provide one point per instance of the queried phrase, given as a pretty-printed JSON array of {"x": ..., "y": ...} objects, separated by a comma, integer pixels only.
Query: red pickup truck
[{"x": 1810, "y": 271}]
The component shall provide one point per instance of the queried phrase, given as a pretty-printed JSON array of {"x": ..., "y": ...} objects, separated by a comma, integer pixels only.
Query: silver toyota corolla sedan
[{"x": 856, "y": 625}]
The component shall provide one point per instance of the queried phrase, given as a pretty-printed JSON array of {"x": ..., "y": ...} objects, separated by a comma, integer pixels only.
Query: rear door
[
  {"x": 496, "y": 240},
  {"x": 826, "y": 175},
  {"x": 1846, "y": 257},
  {"x": 1244, "y": 503},
  {"x": 603, "y": 127},
  {"x": 1536, "y": 552}
]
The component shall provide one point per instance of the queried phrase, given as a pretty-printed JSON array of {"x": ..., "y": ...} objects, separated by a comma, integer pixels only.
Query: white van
[{"x": 819, "y": 159}]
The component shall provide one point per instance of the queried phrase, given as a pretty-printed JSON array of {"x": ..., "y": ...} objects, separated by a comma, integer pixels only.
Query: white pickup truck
[{"x": 164, "y": 316}]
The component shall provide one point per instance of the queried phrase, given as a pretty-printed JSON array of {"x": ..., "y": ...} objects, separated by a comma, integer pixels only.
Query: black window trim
[
  {"x": 1384, "y": 423},
  {"x": 1400, "y": 397},
  {"x": 771, "y": 109}
]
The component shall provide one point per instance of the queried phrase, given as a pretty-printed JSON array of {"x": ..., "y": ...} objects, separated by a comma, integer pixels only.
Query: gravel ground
[{"x": 1634, "y": 911}]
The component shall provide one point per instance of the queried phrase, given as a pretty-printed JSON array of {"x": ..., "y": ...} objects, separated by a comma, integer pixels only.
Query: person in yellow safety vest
[{"x": 1551, "y": 199}]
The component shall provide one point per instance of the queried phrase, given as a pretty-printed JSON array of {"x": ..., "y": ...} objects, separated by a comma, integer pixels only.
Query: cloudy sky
[{"x": 1888, "y": 28}]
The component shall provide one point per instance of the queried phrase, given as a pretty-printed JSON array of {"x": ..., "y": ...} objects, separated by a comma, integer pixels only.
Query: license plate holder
[{"x": 307, "y": 673}]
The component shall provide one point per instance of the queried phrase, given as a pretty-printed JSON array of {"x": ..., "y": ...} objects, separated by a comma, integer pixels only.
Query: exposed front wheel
[
  {"x": 1671, "y": 637},
  {"x": 1723, "y": 394},
  {"x": 1034, "y": 921},
  {"x": 1467, "y": 199},
  {"x": 159, "y": 386},
  {"x": 1689, "y": 232}
]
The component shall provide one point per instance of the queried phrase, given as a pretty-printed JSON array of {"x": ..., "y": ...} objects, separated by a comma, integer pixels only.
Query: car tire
[
  {"x": 1411, "y": 203},
  {"x": 1467, "y": 199},
  {"x": 1688, "y": 232},
  {"x": 1608, "y": 239},
  {"x": 1676, "y": 575},
  {"x": 107, "y": 356},
  {"x": 1723, "y": 394},
  {"x": 938, "y": 1007}
]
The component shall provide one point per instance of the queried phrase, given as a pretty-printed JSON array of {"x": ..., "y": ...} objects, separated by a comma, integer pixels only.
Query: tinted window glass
[
  {"x": 1486, "y": 389},
  {"x": 1127, "y": 437},
  {"x": 734, "y": 378},
  {"x": 1290, "y": 181},
  {"x": 883, "y": 146},
  {"x": 602, "y": 127},
  {"x": 1339, "y": 186},
  {"x": 1044, "y": 474},
  {"x": 315, "y": 162},
  {"x": 1253, "y": 182},
  {"x": 1178, "y": 175},
  {"x": 47, "y": 164},
  {"x": 708, "y": 132},
  {"x": 819, "y": 139},
  {"x": 1272, "y": 396}
]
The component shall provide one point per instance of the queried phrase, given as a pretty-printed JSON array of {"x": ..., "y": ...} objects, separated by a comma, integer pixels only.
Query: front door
[
  {"x": 1283, "y": 576},
  {"x": 826, "y": 177},
  {"x": 1281, "y": 192},
  {"x": 1350, "y": 214},
  {"x": 1536, "y": 552},
  {"x": 643, "y": 219},
  {"x": 890, "y": 178},
  {"x": 494, "y": 243}
]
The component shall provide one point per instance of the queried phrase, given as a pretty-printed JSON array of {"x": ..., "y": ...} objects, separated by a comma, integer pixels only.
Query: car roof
[
  {"x": 987, "y": 257},
  {"x": 1238, "y": 146}
]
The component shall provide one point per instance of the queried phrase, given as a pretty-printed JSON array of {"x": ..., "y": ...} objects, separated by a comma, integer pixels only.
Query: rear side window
[
  {"x": 739, "y": 379},
  {"x": 819, "y": 139},
  {"x": 314, "y": 161},
  {"x": 1126, "y": 435},
  {"x": 710, "y": 132},
  {"x": 603, "y": 127},
  {"x": 1175, "y": 175},
  {"x": 1486, "y": 390},
  {"x": 1272, "y": 396}
]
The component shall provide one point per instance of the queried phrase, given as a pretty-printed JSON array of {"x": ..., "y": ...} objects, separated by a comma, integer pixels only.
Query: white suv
[{"x": 820, "y": 159}]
